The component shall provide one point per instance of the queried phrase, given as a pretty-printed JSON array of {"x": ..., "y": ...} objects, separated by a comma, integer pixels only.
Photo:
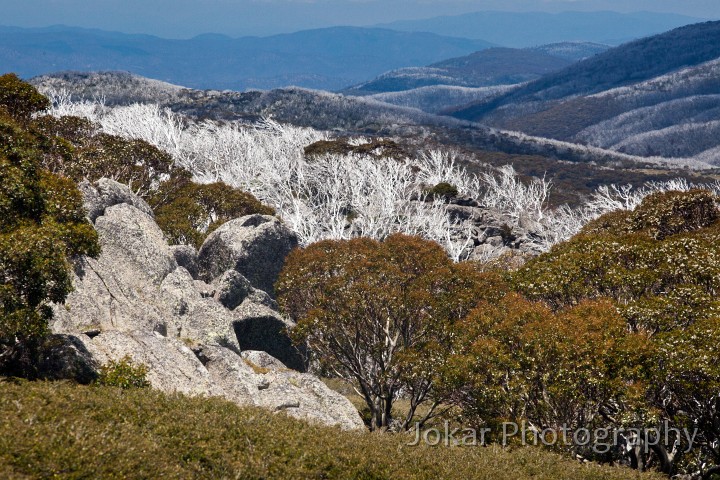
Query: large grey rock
[
  {"x": 134, "y": 300},
  {"x": 109, "y": 295},
  {"x": 194, "y": 317},
  {"x": 104, "y": 193},
  {"x": 231, "y": 289},
  {"x": 172, "y": 366},
  {"x": 255, "y": 246},
  {"x": 135, "y": 242},
  {"x": 297, "y": 394}
]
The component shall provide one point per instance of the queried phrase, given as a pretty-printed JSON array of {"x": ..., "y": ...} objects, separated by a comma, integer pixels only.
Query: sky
[{"x": 187, "y": 18}]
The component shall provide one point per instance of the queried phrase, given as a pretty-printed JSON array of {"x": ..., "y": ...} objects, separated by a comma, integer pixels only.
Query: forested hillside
[
  {"x": 493, "y": 66},
  {"x": 633, "y": 62},
  {"x": 675, "y": 114}
]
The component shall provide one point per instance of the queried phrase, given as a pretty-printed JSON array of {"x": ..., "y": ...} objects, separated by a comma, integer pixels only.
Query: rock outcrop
[
  {"x": 493, "y": 233},
  {"x": 105, "y": 193},
  {"x": 254, "y": 246},
  {"x": 224, "y": 337}
]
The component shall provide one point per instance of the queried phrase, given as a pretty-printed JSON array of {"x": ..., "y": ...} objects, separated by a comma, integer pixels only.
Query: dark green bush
[
  {"x": 377, "y": 147},
  {"x": 188, "y": 212},
  {"x": 442, "y": 190},
  {"x": 660, "y": 263},
  {"x": 20, "y": 99},
  {"x": 669, "y": 213},
  {"x": 73, "y": 147},
  {"x": 42, "y": 224}
]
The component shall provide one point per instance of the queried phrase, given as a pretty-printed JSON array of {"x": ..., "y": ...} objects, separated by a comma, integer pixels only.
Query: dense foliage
[
  {"x": 188, "y": 212},
  {"x": 42, "y": 224},
  {"x": 659, "y": 264},
  {"x": 615, "y": 329},
  {"x": 380, "y": 314}
]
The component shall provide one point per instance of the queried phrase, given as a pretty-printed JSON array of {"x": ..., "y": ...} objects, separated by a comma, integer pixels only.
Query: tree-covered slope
[
  {"x": 494, "y": 66},
  {"x": 625, "y": 65}
]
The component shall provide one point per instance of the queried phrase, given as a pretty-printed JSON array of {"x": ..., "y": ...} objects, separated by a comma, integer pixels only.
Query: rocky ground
[{"x": 204, "y": 323}]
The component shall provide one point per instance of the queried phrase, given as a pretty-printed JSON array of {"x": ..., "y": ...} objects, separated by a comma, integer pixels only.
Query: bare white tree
[{"x": 343, "y": 196}]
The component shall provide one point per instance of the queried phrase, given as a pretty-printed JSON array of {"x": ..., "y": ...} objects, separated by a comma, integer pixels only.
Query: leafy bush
[
  {"x": 379, "y": 314},
  {"x": 188, "y": 212},
  {"x": 42, "y": 224},
  {"x": 518, "y": 361},
  {"x": 75, "y": 148},
  {"x": 124, "y": 374},
  {"x": 376, "y": 147},
  {"x": 443, "y": 190},
  {"x": 669, "y": 213},
  {"x": 659, "y": 262},
  {"x": 20, "y": 99}
]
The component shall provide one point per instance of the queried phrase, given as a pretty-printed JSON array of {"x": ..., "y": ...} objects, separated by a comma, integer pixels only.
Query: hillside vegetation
[
  {"x": 610, "y": 328},
  {"x": 104, "y": 432},
  {"x": 671, "y": 115},
  {"x": 493, "y": 66},
  {"x": 630, "y": 63}
]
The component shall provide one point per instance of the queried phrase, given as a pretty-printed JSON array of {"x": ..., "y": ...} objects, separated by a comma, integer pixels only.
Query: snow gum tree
[
  {"x": 381, "y": 315},
  {"x": 660, "y": 266}
]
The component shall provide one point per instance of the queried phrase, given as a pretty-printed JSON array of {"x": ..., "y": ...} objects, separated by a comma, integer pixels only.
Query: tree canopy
[{"x": 42, "y": 223}]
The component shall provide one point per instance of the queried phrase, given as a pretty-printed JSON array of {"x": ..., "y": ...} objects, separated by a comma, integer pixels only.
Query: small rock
[
  {"x": 104, "y": 193},
  {"x": 186, "y": 256},
  {"x": 231, "y": 289}
]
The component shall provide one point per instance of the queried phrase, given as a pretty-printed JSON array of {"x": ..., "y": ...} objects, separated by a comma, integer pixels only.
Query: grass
[{"x": 62, "y": 430}]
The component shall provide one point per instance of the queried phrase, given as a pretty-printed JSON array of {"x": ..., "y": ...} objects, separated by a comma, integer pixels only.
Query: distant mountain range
[
  {"x": 332, "y": 112},
  {"x": 489, "y": 67},
  {"x": 529, "y": 29},
  {"x": 659, "y": 96},
  {"x": 329, "y": 58}
]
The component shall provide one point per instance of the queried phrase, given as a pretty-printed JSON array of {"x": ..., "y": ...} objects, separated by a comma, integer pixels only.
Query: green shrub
[
  {"x": 188, "y": 212},
  {"x": 377, "y": 147},
  {"x": 74, "y": 147},
  {"x": 42, "y": 225},
  {"x": 124, "y": 374},
  {"x": 660, "y": 263},
  {"x": 392, "y": 304},
  {"x": 442, "y": 190},
  {"x": 20, "y": 99},
  {"x": 669, "y": 213}
]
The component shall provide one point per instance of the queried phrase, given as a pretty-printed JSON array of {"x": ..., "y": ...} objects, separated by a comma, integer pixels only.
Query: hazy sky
[{"x": 186, "y": 18}]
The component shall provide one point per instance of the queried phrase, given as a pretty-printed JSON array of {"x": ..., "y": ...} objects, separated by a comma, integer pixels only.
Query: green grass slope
[{"x": 57, "y": 430}]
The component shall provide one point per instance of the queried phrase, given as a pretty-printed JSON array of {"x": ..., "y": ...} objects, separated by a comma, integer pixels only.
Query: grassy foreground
[{"x": 60, "y": 430}]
